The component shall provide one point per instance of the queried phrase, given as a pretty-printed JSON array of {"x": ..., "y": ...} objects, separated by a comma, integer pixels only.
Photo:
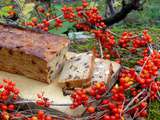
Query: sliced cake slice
[
  {"x": 101, "y": 70},
  {"x": 77, "y": 71}
]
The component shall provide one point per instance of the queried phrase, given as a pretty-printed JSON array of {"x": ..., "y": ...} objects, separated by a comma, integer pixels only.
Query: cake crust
[
  {"x": 44, "y": 46},
  {"x": 34, "y": 54}
]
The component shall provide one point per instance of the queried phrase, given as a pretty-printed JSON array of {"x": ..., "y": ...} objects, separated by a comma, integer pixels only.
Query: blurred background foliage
[{"x": 148, "y": 17}]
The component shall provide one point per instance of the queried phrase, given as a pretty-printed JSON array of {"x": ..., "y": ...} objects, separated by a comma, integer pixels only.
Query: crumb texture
[{"x": 77, "y": 68}]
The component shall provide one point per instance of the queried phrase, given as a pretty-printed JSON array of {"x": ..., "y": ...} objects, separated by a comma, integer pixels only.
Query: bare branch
[
  {"x": 109, "y": 6},
  {"x": 126, "y": 9}
]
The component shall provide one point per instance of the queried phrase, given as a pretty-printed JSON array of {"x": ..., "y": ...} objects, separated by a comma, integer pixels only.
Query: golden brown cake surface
[
  {"x": 33, "y": 54},
  {"x": 41, "y": 45}
]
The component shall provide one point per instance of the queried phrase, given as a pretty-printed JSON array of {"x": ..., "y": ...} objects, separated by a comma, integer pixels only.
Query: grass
[{"x": 154, "y": 111}]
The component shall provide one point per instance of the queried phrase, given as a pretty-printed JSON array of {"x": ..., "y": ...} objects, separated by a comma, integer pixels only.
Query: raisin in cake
[
  {"x": 101, "y": 70},
  {"x": 77, "y": 71},
  {"x": 33, "y": 54}
]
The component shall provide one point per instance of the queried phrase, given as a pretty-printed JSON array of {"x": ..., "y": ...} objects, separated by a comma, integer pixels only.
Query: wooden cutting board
[{"x": 29, "y": 89}]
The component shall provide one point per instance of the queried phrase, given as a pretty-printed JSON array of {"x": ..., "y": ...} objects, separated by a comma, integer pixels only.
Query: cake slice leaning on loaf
[
  {"x": 77, "y": 71},
  {"x": 101, "y": 70},
  {"x": 36, "y": 55}
]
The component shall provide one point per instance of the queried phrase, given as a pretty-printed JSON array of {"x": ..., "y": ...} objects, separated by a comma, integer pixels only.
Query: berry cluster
[
  {"x": 140, "y": 110},
  {"x": 106, "y": 38},
  {"x": 68, "y": 14},
  {"x": 94, "y": 18},
  {"x": 108, "y": 42},
  {"x": 155, "y": 88},
  {"x": 9, "y": 107},
  {"x": 143, "y": 41},
  {"x": 79, "y": 97},
  {"x": 34, "y": 23},
  {"x": 58, "y": 23},
  {"x": 8, "y": 90},
  {"x": 42, "y": 21},
  {"x": 127, "y": 78},
  {"x": 83, "y": 26},
  {"x": 40, "y": 116},
  {"x": 150, "y": 70},
  {"x": 125, "y": 39},
  {"x": 43, "y": 101},
  {"x": 97, "y": 90}
]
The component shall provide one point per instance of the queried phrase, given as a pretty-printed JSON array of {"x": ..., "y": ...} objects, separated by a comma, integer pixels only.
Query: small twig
[
  {"x": 134, "y": 116},
  {"x": 30, "y": 109},
  {"x": 145, "y": 98},
  {"x": 60, "y": 16},
  {"x": 132, "y": 86},
  {"x": 122, "y": 107},
  {"x": 131, "y": 102},
  {"x": 103, "y": 97},
  {"x": 101, "y": 49},
  {"x": 93, "y": 116},
  {"x": 116, "y": 35},
  {"x": 137, "y": 113},
  {"x": 144, "y": 64},
  {"x": 25, "y": 101}
]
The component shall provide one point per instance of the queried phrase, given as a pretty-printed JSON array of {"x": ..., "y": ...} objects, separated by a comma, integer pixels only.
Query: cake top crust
[{"x": 42, "y": 45}]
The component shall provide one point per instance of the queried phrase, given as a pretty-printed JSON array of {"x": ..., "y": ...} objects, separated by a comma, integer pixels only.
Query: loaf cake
[
  {"x": 33, "y": 54},
  {"x": 101, "y": 70},
  {"x": 77, "y": 71}
]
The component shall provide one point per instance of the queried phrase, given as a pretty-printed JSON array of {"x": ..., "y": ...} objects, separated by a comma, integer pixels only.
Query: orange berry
[
  {"x": 91, "y": 109},
  {"x": 34, "y": 20}
]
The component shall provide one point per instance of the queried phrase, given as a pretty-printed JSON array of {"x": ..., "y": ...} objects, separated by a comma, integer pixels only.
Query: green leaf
[
  {"x": 21, "y": 3},
  {"x": 66, "y": 26},
  {"x": 27, "y": 9},
  {"x": 93, "y": 4},
  {"x": 5, "y": 2},
  {"x": 4, "y": 10}
]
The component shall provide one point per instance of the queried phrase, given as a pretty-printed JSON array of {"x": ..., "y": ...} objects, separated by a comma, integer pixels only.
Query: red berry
[
  {"x": 40, "y": 114},
  {"x": 4, "y": 107},
  {"x": 34, "y": 118},
  {"x": 34, "y": 20},
  {"x": 48, "y": 117},
  {"x": 106, "y": 117},
  {"x": 11, "y": 107},
  {"x": 91, "y": 109}
]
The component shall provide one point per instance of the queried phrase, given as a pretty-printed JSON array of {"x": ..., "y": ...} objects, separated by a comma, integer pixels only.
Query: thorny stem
[
  {"x": 60, "y": 16},
  {"x": 33, "y": 101},
  {"x": 144, "y": 64},
  {"x": 131, "y": 102},
  {"x": 145, "y": 98},
  {"x": 122, "y": 108},
  {"x": 116, "y": 35},
  {"x": 101, "y": 49},
  {"x": 93, "y": 116},
  {"x": 137, "y": 113}
]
